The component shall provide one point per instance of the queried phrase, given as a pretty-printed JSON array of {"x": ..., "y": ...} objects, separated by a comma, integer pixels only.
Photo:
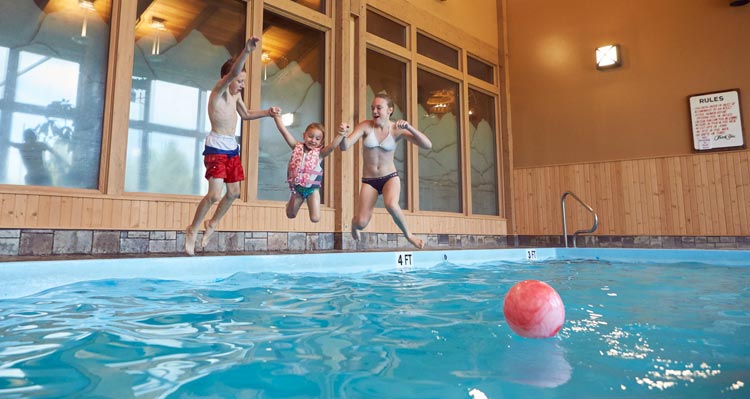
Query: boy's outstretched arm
[
  {"x": 238, "y": 65},
  {"x": 256, "y": 114}
]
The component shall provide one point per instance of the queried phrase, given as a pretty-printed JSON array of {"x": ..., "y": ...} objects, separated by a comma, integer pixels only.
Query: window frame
[{"x": 460, "y": 76}]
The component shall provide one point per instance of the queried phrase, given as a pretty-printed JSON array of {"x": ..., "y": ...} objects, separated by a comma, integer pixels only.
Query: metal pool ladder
[{"x": 565, "y": 223}]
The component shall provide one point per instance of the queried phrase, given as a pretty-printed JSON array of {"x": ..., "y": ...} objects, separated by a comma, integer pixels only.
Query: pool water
[{"x": 632, "y": 330}]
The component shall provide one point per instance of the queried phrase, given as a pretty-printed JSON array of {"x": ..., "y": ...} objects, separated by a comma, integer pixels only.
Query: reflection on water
[
  {"x": 539, "y": 363},
  {"x": 435, "y": 333}
]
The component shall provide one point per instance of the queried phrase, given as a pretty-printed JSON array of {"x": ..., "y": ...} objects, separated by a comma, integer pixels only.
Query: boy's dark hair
[{"x": 227, "y": 67}]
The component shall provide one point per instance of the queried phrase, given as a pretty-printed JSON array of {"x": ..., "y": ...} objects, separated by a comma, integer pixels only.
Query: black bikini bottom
[{"x": 378, "y": 182}]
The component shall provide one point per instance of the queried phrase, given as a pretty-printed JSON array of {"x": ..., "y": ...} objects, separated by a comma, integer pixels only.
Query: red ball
[{"x": 533, "y": 309}]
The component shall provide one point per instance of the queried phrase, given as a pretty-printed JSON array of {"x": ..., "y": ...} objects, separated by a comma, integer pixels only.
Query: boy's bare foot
[
  {"x": 415, "y": 241},
  {"x": 355, "y": 233},
  {"x": 207, "y": 234},
  {"x": 190, "y": 237}
]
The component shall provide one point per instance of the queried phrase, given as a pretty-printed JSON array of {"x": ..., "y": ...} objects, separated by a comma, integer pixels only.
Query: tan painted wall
[{"x": 565, "y": 111}]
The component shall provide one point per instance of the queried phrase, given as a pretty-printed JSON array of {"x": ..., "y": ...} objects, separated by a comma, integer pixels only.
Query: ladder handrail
[{"x": 565, "y": 223}]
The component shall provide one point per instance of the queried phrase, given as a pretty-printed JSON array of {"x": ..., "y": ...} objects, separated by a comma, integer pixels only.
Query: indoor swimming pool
[{"x": 423, "y": 324}]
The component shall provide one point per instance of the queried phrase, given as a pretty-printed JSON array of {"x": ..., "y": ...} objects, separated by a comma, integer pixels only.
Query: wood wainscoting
[
  {"x": 691, "y": 195},
  {"x": 30, "y": 210}
]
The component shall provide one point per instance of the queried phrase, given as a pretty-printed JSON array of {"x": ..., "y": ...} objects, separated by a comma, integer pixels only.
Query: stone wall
[
  {"x": 44, "y": 243},
  {"x": 666, "y": 242},
  {"x": 41, "y": 243}
]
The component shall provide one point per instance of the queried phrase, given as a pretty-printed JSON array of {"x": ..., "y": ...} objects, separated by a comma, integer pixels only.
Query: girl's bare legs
[
  {"x": 391, "y": 194},
  {"x": 293, "y": 205},
  {"x": 313, "y": 206},
  {"x": 367, "y": 198},
  {"x": 215, "y": 187}
]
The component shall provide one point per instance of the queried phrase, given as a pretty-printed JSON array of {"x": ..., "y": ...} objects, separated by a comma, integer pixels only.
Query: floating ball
[{"x": 533, "y": 309}]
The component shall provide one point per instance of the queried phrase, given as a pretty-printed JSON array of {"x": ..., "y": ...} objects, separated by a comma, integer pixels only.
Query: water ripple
[{"x": 436, "y": 333}]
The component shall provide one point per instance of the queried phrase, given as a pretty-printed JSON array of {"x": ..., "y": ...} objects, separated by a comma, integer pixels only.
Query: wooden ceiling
[{"x": 222, "y": 22}]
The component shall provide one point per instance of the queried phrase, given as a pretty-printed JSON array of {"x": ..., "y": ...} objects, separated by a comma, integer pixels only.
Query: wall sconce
[
  {"x": 608, "y": 57},
  {"x": 86, "y": 5},
  {"x": 158, "y": 25},
  {"x": 287, "y": 119}
]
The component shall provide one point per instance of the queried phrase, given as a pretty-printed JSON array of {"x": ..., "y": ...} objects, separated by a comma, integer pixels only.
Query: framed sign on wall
[{"x": 717, "y": 121}]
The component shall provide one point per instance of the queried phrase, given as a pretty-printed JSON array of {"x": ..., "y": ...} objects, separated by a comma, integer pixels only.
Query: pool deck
[{"x": 21, "y": 278}]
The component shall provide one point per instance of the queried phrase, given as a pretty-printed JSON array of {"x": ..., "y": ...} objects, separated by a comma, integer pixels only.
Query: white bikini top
[{"x": 388, "y": 143}]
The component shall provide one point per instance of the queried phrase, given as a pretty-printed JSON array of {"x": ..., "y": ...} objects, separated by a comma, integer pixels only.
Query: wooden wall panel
[
  {"x": 50, "y": 211},
  {"x": 692, "y": 195}
]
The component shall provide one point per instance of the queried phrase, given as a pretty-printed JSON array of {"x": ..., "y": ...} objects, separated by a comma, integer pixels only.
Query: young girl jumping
[{"x": 305, "y": 170}]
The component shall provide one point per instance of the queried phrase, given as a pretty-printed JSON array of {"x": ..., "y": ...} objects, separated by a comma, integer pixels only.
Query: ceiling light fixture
[
  {"x": 265, "y": 58},
  {"x": 86, "y": 5},
  {"x": 158, "y": 25}
]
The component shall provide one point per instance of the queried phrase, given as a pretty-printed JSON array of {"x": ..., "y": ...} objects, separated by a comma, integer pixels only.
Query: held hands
[
  {"x": 251, "y": 44},
  {"x": 343, "y": 128},
  {"x": 274, "y": 112}
]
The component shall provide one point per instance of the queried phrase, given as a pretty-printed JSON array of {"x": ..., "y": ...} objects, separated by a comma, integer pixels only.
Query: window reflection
[
  {"x": 177, "y": 61},
  {"x": 135, "y": 161},
  {"x": 171, "y": 158},
  {"x": 53, "y": 62},
  {"x": 4, "y": 51},
  {"x": 484, "y": 188},
  {"x": 43, "y": 149},
  {"x": 168, "y": 100},
  {"x": 437, "y": 51},
  {"x": 38, "y": 74},
  {"x": 439, "y": 168},
  {"x": 481, "y": 70},
  {"x": 317, "y": 5},
  {"x": 387, "y": 75},
  {"x": 386, "y": 28},
  {"x": 293, "y": 79}
]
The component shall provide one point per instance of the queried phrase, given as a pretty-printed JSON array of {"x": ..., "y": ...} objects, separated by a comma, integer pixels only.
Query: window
[
  {"x": 386, "y": 28},
  {"x": 52, "y": 86},
  {"x": 480, "y": 70},
  {"x": 482, "y": 126},
  {"x": 317, "y": 5},
  {"x": 293, "y": 78},
  {"x": 176, "y": 64},
  {"x": 439, "y": 168},
  {"x": 387, "y": 75},
  {"x": 4, "y": 54},
  {"x": 437, "y": 51}
]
